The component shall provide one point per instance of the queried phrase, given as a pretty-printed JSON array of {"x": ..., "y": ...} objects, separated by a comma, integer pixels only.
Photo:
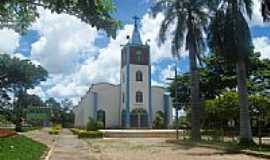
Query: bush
[
  {"x": 87, "y": 134},
  {"x": 75, "y": 131},
  {"x": 90, "y": 134},
  {"x": 57, "y": 126},
  {"x": 91, "y": 125},
  {"x": 100, "y": 125},
  {"x": 54, "y": 131},
  {"x": 159, "y": 122}
]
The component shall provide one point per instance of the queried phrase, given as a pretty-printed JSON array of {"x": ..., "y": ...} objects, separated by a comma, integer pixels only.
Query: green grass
[{"x": 20, "y": 148}]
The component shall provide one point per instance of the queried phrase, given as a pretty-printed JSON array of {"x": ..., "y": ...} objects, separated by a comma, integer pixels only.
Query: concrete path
[{"x": 69, "y": 147}]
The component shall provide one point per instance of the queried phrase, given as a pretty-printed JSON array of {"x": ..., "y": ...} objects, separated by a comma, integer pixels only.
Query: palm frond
[
  {"x": 265, "y": 10},
  {"x": 248, "y": 4}
]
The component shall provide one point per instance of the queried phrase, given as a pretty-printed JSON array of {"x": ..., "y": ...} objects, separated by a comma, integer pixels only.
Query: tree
[
  {"x": 67, "y": 113},
  {"x": 191, "y": 19},
  {"x": 19, "y": 14},
  {"x": 28, "y": 100},
  {"x": 56, "y": 110},
  {"x": 16, "y": 77},
  {"x": 265, "y": 10},
  {"x": 230, "y": 37}
]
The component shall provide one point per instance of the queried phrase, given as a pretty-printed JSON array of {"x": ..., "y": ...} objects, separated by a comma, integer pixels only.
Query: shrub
[
  {"x": 100, "y": 125},
  {"x": 159, "y": 122},
  {"x": 90, "y": 134},
  {"x": 57, "y": 126},
  {"x": 75, "y": 131},
  {"x": 91, "y": 125},
  {"x": 54, "y": 131}
]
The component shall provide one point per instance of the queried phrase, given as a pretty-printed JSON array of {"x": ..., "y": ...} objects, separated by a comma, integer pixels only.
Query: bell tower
[{"x": 136, "y": 109}]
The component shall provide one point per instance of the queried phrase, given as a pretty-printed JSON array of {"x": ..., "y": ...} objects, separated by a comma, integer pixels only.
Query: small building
[{"x": 134, "y": 102}]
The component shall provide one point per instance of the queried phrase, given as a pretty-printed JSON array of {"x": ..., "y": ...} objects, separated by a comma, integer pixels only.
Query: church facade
[{"x": 134, "y": 103}]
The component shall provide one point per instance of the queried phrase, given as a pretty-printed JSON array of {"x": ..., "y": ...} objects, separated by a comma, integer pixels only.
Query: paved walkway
[{"x": 69, "y": 147}]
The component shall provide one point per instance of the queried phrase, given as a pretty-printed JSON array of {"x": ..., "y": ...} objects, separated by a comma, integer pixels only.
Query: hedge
[
  {"x": 55, "y": 129},
  {"x": 87, "y": 134}
]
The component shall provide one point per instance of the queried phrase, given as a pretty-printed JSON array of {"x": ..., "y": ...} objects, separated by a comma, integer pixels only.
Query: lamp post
[{"x": 176, "y": 104}]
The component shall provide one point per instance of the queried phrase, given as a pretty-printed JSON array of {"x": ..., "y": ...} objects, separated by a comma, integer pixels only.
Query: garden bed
[{"x": 7, "y": 133}]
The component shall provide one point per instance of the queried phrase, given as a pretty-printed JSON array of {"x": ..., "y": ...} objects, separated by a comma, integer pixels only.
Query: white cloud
[
  {"x": 63, "y": 40},
  {"x": 262, "y": 44},
  {"x": 167, "y": 73},
  {"x": 9, "y": 40}
]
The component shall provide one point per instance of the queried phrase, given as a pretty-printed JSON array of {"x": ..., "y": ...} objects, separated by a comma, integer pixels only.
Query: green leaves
[
  {"x": 19, "y": 14},
  {"x": 190, "y": 19},
  {"x": 19, "y": 75},
  {"x": 229, "y": 33}
]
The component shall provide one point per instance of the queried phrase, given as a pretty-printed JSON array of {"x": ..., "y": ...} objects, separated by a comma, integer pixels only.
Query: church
[{"x": 134, "y": 103}]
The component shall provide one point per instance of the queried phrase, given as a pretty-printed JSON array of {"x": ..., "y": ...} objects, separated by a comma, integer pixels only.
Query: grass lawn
[{"x": 20, "y": 148}]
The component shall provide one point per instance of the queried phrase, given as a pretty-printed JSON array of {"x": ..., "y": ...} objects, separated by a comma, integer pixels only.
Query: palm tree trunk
[
  {"x": 195, "y": 97},
  {"x": 245, "y": 128}
]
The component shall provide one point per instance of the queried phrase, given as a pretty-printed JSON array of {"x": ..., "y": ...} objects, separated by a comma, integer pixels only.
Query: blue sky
[{"x": 77, "y": 55}]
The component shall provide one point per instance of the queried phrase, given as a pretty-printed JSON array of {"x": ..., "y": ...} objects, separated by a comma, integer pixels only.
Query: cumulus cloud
[
  {"x": 63, "y": 41},
  {"x": 167, "y": 73},
  {"x": 9, "y": 40},
  {"x": 262, "y": 44}
]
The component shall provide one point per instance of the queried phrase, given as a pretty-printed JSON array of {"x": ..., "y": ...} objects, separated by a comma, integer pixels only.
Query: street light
[{"x": 176, "y": 104}]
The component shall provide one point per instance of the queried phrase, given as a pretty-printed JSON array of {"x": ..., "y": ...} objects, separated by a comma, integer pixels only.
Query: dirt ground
[
  {"x": 68, "y": 147},
  {"x": 155, "y": 149}
]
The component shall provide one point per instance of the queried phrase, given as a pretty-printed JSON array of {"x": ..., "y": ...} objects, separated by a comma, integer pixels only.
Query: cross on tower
[{"x": 136, "y": 20}]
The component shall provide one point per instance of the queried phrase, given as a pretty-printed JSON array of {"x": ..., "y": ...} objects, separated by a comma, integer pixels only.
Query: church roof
[{"x": 136, "y": 36}]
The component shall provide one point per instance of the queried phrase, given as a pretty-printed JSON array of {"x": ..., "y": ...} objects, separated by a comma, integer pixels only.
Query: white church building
[{"x": 134, "y": 102}]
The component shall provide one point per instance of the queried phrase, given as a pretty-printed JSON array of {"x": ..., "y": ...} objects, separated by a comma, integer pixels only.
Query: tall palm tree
[
  {"x": 189, "y": 19},
  {"x": 230, "y": 36},
  {"x": 265, "y": 10}
]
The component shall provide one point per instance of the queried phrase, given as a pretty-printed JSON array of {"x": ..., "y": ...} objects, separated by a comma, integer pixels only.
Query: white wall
[
  {"x": 108, "y": 100},
  {"x": 157, "y": 99},
  {"x": 138, "y": 86}
]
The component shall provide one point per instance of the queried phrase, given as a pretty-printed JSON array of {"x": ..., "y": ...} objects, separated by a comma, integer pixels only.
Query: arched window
[
  {"x": 139, "y": 76},
  {"x": 139, "y": 97},
  {"x": 138, "y": 57}
]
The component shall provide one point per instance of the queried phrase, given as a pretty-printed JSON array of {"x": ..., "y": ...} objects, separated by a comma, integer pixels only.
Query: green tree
[
  {"x": 230, "y": 37},
  {"x": 56, "y": 110},
  {"x": 190, "y": 19},
  {"x": 16, "y": 77},
  {"x": 67, "y": 113},
  {"x": 19, "y": 14},
  {"x": 183, "y": 90}
]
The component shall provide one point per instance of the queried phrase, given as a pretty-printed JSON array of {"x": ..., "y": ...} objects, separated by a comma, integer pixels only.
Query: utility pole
[
  {"x": 176, "y": 101},
  {"x": 176, "y": 104}
]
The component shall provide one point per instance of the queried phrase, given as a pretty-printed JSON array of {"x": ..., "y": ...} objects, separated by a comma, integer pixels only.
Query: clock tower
[{"x": 136, "y": 109}]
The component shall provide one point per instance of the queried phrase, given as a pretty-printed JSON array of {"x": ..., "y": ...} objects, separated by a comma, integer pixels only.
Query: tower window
[
  {"x": 138, "y": 57},
  {"x": 139, "y": 97},
  {"x": 123, "y": 98},
  {"x": 139, "y": 76}
]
